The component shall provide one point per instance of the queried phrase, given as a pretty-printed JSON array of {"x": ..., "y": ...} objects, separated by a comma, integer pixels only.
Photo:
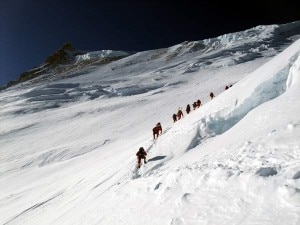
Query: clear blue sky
[{"x": 30, "y": 30}]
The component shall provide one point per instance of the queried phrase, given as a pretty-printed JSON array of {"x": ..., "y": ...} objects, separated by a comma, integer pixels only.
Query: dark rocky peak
[{"x": 65, "y": 54}]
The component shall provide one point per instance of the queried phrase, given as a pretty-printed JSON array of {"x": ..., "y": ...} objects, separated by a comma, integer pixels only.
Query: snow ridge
[{"x": 99, "y": 55}]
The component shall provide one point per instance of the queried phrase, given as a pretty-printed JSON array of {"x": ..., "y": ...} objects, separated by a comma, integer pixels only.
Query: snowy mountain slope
[
  {"x": 155, "y": 69},
  {"x": 68, "y": 147},
  {"x": 225, "y": 179},
  {"x": 239, "y": 47}
]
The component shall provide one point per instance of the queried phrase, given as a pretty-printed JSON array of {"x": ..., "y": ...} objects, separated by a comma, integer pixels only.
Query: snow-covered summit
[
  {"x": 67, "y": 61},
  {"x": 68, "y": 144}
]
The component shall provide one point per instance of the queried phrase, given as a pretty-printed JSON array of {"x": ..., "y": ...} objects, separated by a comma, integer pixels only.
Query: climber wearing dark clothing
[
  {"x": 194, "y": 105},
  {"x": 198, "y": 103},
  {"x": 141, "y": 154},
  {"x": 188, "y": 109},
  {"x": 174, "y": 117},
  {"x": 211, "y": 95},
  {"x": 156, "y": 130},
  {"x": 179, "y": 114}
]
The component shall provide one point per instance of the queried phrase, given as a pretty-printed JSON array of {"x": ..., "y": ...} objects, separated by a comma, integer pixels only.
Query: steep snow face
[
  {"x": 254, "y": 40},
  {"x": 200, "y": 173},
  {"x": 68, "y": 146},
  {"x": 257, "y": 33},
  {"x": 294, "y": 76}
]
